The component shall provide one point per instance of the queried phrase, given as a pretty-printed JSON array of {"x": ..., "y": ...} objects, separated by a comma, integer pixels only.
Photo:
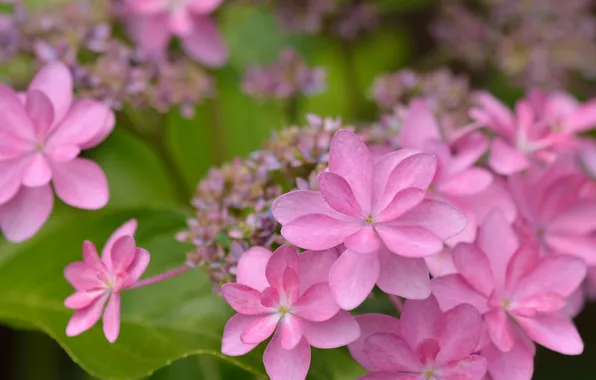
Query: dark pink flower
[
  {"x": 42, "y": 133},
  {"x": 287, "y": 295},
  {"x": 98, "y": 282},
  {"x": 153, "y": 22},
  {"x": 424, "y": 344}
]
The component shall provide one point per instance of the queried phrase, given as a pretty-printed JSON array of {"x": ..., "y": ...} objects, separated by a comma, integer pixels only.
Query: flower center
[
  {"x": 283, "y": 309},
  {"x": 429, "y": 374},
  {"x": 39, "y": 147},
  {"x": 369, "y": 220},
  {"x": 505, "y": 304}
]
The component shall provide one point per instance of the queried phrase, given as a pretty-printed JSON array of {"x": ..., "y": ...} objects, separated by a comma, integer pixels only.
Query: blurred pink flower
[
  {"x": 368, "y": 207},
  {"x": 99, "y": 281},
  {"x": 153, "y": 22},
  {"x": 42, "y": 133},
  {"x": 424, "y": 344},
  {"x": 519, "y": 293},
  {"x": 288, "y": 295}
]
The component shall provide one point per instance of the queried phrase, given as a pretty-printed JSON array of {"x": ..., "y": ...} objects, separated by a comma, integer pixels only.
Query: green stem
[
  {"x": 291, "y": 110},
  {"x": 216, "y": 130}
]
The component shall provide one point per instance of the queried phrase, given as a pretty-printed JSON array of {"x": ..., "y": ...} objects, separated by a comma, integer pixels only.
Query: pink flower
[
  {"x": 287, "y": 295},
  {"x": 153, "y": 22},
  {"x": 99, "y": 281},
  {"x": 41, "y": 134},
  {"x": 424, "y": 344},
  {"x": 540, "y": 126},
  {"x": 378, "y": 211},
  {"x": 519, "y": 293}
]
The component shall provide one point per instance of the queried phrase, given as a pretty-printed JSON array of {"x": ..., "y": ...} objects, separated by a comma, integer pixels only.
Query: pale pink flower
[
  {"x": 378, "y": 211},
  {"x": 287, "y": 295},
  {"x": 424, "y": 344},
  {"x": 519, "y": 293},
  {"x": 99, "y": 281},
  {"x": 153, "y": 22},
  {"x": 41, "y": 134},
  {"x": 557, "y": 208},
  {"x": 540, "y": 126}
]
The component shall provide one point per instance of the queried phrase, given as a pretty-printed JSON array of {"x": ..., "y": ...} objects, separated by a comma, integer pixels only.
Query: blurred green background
[{"x": 153, "y": 163}]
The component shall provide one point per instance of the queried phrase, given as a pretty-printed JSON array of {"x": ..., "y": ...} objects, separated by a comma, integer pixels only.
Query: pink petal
[
  {"x": 291, "y": 286},
  {"x": 260, "y": 329},
  {"x": 40, "y": 111},
  {"x": 393, "y": 376},
  {"x": 91, "y": 258},
  {"x": 440, "y": 218},
  {"x": 231, "y": 344},
  {"x": 350, "y": 158},
  {"x": 558, "y": 274},
  {"x": 472, "y": 367},
  {"x": 363, "y": 241},
  {"x": 517, "y": 364},
  {"x": 285, "y": 257},
  {"x": 137, "y": 267},
  {"x": 270, "y": 298},
  {"x": 427, "y": 351},
  {"x": 282, "y": 364},
  {"x": 290, "y": 331},
  {"x": 417, "y": 171},
  {"x": 62, "y": 153},
  {"x": 84, "y": 121},
  {"x": 15, "y": 124},
  {"x": 522, "y": 263},
  {"x": 496, "y": 196},
  {"x": 150, "y": 31},
  {"x": 468, "y": 150},
  {"x": 544, "y": 302},
  {"x": 500, "y": 118},
  {"x": 146, "y": 6},
  {"x": 409, "y": 241},
  {"x": 295, "y": 204},
  {"x": 318, "y": 231},
  {"x": 180, "y": 22},
  {"x": 419, "y": 126},
  {"x": 499, "y": 329},
  {"x": 243, "y": 299},
  {"x": 315, "y": 267},
  {"x": 81, "y": 183},
  {"x": 26, "y": 213},
  {"x": 353, "y": 277},
  {"x": 383, "y": 169},
  {"x": 84, "y": 319},
  {"x": 371, "y": 324},
  {"x": 474, "y": 266},
  {"x": 339, "y": 195},
  {"x": 441, "y": 264},
  {"x": 122, "y": 254},
  {"x": 205, "y": 43},
  {"x": 556, "y": 333},
  {"x": 402, "y": 276},
  {"x": 498, "y": 240},
  {"x": 317, "y": 304},
  {"x": 419, "y": 320},
  {"x": 38, "y": 171},
  {"x": 82, "y": 277},
  {"x": 103, "y": 133},
  {"x": 11, "y": 173},
  {"x": 583, "y": 118},
  {"x": 582, "y": 246},
  {"x": 111, "y": 318},
  {"x": 338, "y": 331},
  {"x": 471, "y": 181},
  {"x": 127, "y": 229},
  {"x": 578, "y": 219},
  {"x": 453, "y": 290},
  {"x": 403, "y": 201},
  {"x": 55, "y": 81},
  {"x": 461, "y": 333},
  {"x": 251, "y": 268},
  {"x": 389, "y": 352},
  {"x": 505, "y": 159},
  {"x": 204, "y": 6},
  {"x": 81, "y": 300}
]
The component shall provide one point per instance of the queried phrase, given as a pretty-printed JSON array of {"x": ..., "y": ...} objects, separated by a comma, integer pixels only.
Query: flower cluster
[
  {"x": 42, "y": 133},
  {"x": 499, "y": 214},
  {"x": 536, "y": 42},
  {"x": 285, "y": 79}
]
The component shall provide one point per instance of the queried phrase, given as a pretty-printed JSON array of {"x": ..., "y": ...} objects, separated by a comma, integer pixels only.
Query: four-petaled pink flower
[
  {"x": 99, "y": 281},
  {"x": 153, "y": 22},
  {"x": 287, "y": 295},
  {"x": 373, "y": 209},
  {"x": 42, "y": 133},
  {"x": 519, "y": 293},
  {"x": 424, "y": 344},
  {"x": 540, "y": 127}
]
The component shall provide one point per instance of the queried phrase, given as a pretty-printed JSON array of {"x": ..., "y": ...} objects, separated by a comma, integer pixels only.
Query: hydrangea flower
[
  {"x": 367, "y": 206},
  {"x": 42, "y": 133},
  {"x": 424, "y": 344},
  {"x": 287, "y": 295},
  {"x": 98, "y": 282},
  {"x": 153, "y": 22},
  {"x": 518, "y": 292}
]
